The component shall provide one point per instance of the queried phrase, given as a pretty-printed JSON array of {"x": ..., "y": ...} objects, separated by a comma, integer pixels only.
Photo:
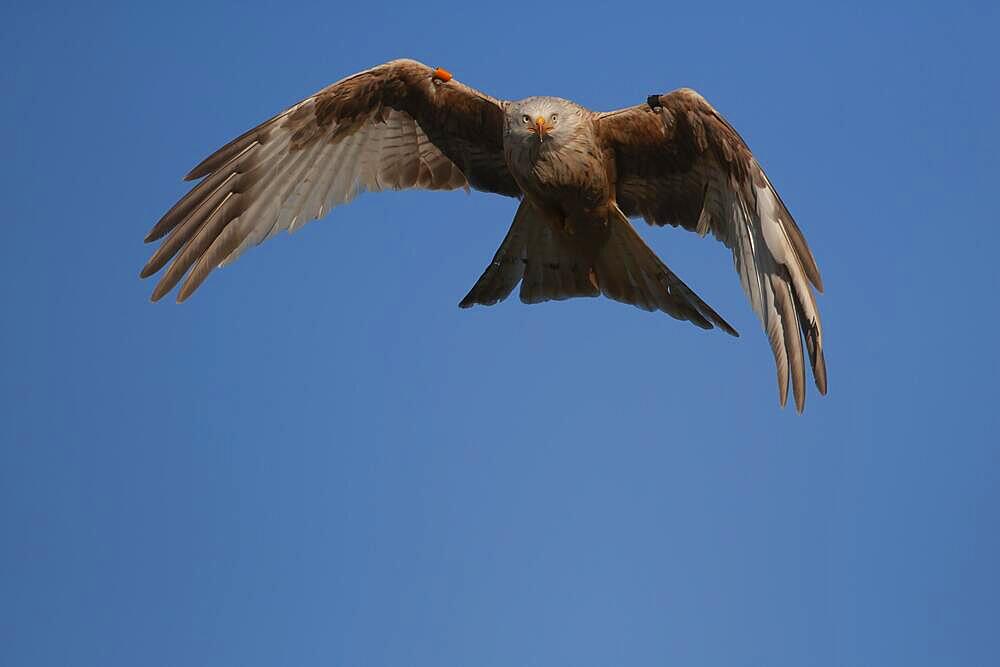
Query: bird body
[
  {"x": 580, "y": 175},
  {"x": 553, "y": 154}
]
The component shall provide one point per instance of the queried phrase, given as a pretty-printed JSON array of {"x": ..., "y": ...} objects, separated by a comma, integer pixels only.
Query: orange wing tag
[{"x": 442, "y": 75}]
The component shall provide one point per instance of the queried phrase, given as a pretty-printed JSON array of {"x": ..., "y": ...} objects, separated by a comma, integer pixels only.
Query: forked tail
[
  {"x": 549, "y": 267},
  {"x": 532, "y": 253}
]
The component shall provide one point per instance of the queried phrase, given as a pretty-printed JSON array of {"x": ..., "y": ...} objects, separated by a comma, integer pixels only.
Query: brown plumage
[{"x": 580, "y": 175}]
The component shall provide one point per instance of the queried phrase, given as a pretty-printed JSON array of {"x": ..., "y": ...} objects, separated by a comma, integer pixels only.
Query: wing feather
[
  {"x": 315, "y": 186},
  {"x": 678, "y": 162},
  {"x": 394, "y": 126}
]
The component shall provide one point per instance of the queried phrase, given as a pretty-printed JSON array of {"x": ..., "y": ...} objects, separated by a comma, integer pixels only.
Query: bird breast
[{"x": 568, "y": 175}]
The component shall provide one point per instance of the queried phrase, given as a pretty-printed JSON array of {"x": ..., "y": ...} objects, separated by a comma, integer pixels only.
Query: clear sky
[{"x": 320, "y": 460}]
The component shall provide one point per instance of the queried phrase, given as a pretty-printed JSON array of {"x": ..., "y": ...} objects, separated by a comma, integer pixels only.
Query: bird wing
[
  {"x": 678, "y": 162},
  {"x": 396, "y": 126}
]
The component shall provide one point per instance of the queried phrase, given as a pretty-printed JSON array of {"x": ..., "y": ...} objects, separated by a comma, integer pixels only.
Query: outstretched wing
[
  {"x": 399, "y": 125},
  {"x": 678, "y": 162}
]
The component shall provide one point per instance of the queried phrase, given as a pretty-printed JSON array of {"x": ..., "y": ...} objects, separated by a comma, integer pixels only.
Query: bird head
[{"x": 541, "y": 120}]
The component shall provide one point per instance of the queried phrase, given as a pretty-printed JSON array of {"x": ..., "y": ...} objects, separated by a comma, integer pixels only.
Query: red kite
[{"x": 579, "y": 176}]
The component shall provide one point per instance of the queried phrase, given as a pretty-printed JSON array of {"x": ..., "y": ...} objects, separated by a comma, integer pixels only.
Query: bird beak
[{"x": 541, "y": 128}]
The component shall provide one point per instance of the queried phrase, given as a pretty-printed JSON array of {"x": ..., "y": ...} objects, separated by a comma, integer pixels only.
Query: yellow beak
[{"x": 541, "y": 127}]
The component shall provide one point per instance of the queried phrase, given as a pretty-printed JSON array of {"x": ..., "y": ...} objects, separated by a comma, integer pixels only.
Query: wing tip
[
  {"x": 713, "y": 318},
  {"x": 819, "y": 374},
  {"x": 728, "y": 328},
  {"x": 158, "y": 293}
]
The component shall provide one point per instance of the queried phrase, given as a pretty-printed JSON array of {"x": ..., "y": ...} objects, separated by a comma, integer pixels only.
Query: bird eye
[
  {"x": 554, "y": 116},
  {"x": 525, "y": 119}
]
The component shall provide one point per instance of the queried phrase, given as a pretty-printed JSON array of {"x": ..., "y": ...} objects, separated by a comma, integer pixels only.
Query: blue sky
[{"x": 320, "y": 459}]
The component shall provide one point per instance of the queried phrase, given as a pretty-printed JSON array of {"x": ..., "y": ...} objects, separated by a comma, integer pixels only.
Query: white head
[{"x": 534, "y": 121}]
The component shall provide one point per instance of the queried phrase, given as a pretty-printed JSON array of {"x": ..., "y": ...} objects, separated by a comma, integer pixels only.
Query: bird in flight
[{"x": 579, "y": 176}]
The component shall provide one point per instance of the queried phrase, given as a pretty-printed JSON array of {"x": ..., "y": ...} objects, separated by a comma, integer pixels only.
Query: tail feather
[
  {"x": 552, "y": 268},
  {"x": 532, "y": 254},
  {"x": 630, "y": 272},
  {"x": 507, "y": 268}
]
